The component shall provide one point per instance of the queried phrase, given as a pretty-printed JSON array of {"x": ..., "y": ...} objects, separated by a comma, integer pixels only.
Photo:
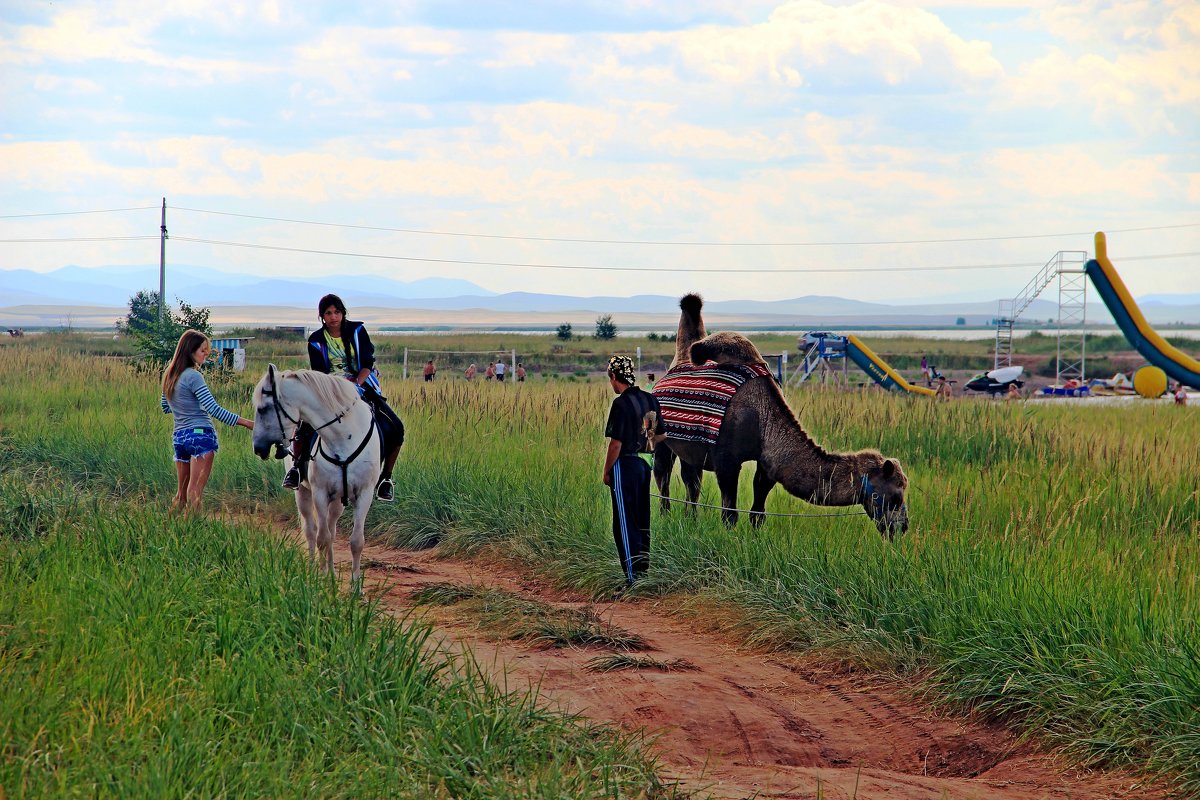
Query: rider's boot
[{"x": 385, "y": 492}]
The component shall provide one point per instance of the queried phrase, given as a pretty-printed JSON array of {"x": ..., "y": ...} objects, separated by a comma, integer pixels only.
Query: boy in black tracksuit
[{"x": 626, "y": 473}]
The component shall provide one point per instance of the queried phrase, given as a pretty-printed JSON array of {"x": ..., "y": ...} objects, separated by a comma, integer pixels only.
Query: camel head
[{"x": 883, "y": 494}]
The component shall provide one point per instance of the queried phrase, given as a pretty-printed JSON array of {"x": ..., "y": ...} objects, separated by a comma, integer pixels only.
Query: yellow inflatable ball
[{"x": 1150, "y": 382}]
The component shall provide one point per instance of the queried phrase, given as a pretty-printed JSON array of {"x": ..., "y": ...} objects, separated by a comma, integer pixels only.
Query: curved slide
[
  {"x": 878, "y": 369},
  {"x": 1178, "y": 365}
]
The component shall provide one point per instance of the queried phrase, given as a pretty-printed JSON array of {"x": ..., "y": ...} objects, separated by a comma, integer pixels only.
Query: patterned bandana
[{"x": 622, "y": 369}]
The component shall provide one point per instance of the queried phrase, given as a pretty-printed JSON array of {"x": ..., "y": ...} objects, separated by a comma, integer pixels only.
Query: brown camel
[{"x": 759, "y": 426}]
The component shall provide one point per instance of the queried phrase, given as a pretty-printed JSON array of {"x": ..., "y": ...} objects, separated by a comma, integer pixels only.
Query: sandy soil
[{"x": 745, "y": 724}]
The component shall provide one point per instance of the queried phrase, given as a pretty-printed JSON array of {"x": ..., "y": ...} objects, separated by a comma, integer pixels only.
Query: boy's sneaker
[
  {"x": 292, "y": 479},
  {"x": 386, "y": 490}
]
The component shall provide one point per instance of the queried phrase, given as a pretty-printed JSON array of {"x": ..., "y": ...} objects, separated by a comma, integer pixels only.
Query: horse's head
[
  {"x": 883, "y": 492},
  {"x": 274, "y": 424}
]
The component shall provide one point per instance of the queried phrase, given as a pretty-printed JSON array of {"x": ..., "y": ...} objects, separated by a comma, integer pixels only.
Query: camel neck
[{"x": 806, "y": 470}]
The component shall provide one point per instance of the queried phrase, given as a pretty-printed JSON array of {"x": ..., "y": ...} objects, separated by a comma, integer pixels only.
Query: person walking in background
[
  {"x": 625, "y": 471},
  {"x": 430, "y": 370},
  {"x": 1013, "y": 392},
  {"x": 500, "y": 367},
  {"x": 342, "y": 346},
  {"x": 470, "y": 374},
  {"x": 186, "y": 396},
  {"x": 491, "y": 371},
  {"x": 520, "y": 372},
  {"x": 943, "y": 389},
  {"x": 1181, "y": 398},
  {"x": 649, "y": 381},
  {"x": 925, "y": 371}
]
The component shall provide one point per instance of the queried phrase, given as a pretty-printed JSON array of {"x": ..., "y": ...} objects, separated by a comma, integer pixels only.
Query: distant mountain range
[{"x": 97, "y": 296}]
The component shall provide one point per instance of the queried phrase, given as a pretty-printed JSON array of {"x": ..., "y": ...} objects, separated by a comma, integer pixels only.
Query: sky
[{"x": 744, "y": 149}]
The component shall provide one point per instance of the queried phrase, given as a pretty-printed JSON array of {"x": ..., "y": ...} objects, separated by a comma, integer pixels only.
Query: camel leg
[
  {"x": 762, "y": 487},
  {"x": 310, "y": 525},
  {"x": 727, "y": 482},
  {"x": 664, "y": 463},
  {"x": 692, "y": 477}
]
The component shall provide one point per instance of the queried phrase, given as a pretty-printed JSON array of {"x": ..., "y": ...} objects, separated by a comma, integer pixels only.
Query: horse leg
[
  {"x": 358, "y": 536},
  {"x": 333, "y": 510},
  {"x": 310, "y": 525},
  {"x": 692, "y": 477},
  {"x": 664, "y": 463},
  {"x": 727, "y": 482},
  {"x": 762, "y": 487}
]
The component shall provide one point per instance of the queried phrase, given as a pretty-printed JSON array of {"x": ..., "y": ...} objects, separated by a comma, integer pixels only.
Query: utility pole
[{"x": 162, "y": 262}]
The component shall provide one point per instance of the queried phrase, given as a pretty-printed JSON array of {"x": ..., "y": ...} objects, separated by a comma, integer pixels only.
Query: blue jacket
[{"x": 354, "y": 339}]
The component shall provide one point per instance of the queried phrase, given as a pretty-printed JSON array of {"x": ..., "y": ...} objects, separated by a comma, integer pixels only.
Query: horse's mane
[{"x": 334, "y": 392}]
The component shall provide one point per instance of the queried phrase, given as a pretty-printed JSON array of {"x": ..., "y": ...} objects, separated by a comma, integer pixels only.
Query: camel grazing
[{"x": 759, "y": 426}]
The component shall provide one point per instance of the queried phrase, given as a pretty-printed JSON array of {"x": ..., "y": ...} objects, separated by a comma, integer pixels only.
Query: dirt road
[{"x": 744, "y": 724}]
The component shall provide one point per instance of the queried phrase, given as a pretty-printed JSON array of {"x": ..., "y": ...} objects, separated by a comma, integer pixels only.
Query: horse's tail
[{"x": 691, "y": 327}]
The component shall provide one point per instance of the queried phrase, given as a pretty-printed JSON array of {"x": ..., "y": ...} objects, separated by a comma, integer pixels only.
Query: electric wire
[
  {"x": 71, "y": 213},
  {"x": 689, "y": 270},
  {"x": 679, "y": 243}
]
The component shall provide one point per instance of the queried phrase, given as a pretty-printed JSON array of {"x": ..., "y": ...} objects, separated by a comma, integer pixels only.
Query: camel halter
[{"x": 878, "y": 507}]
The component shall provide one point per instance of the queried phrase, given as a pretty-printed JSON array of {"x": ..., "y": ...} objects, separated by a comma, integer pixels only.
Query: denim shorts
[{"x": 194, "y": 442}]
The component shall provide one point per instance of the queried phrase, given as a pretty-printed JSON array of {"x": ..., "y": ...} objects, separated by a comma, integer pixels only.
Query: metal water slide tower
[{"x": 1068, "y": 267}]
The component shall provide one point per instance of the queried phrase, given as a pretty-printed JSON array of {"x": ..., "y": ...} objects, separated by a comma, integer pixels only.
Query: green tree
[
  {"x": 564, "y": 332},
  {"x": 605, "y": 327},
  {"x": 960, "y": 321},
  {"x": 155, "y": 339}
]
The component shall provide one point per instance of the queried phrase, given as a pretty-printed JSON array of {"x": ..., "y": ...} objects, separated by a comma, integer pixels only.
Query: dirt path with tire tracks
[{"x": 742, "y": 723}]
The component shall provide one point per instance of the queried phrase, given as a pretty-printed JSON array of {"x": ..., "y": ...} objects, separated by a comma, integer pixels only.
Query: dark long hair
[{"x": 327, "y": 301}]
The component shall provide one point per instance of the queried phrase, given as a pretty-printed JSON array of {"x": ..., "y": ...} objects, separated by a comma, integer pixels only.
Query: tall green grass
[
  {"x": 1051, "y": 577},
  {"x": 147, "y": 656}
]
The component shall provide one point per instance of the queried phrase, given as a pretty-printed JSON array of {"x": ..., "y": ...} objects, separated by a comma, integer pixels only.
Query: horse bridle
[{"x": 281, "y": 413}]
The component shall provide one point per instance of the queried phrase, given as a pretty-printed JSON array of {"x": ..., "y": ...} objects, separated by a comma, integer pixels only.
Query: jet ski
[{"x": 997, "y": 381}]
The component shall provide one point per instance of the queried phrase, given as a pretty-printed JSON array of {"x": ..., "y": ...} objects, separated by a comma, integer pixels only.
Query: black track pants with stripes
[{"x": 631, "y": 515}]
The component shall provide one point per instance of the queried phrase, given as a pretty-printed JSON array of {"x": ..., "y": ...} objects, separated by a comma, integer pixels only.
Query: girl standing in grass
[{"x": 187, "y": 397}]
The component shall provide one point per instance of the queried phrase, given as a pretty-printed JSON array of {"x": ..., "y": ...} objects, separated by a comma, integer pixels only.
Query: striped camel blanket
[{"x": 694, "y": 399}]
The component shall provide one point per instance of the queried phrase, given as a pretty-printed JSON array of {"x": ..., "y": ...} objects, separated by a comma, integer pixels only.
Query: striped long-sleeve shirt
[{"x": 192, "y": 403}]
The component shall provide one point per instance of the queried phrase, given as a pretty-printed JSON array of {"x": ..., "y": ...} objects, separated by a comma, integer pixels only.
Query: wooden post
[
  {"x": 404, "y": 371},
  {"x": 162, "y": 262}
]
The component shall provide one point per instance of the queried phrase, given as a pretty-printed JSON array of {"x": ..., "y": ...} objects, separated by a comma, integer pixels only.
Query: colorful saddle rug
[{"x": 693, "y": 399}]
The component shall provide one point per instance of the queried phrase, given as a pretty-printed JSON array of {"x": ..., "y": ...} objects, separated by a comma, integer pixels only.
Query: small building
[{"x": 232, "y": 352}]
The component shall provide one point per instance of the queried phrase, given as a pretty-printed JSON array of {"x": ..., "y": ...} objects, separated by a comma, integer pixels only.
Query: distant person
[
  {"x": 342, "y": 347},
  {"x": 430, "y": 370},
  {"x": 470, "y": 374},
  {"x": 491, "y": 371},
  {"x": 630, "y": 430},
  {"x": 943, "y": 389},
  {"x": 1181, "y": 398},
  {"x": 186, "y": 396},
  {"x": 500, "y": 368},
  {"x": 1013, "y": 392},
  {"x": 925, "y": 374},
  {"x": 520, "y": 372},
  {"x": 649, "y": 381}
]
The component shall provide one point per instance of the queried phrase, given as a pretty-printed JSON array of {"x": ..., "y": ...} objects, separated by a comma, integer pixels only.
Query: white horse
[{"x": 344, "y": 470}]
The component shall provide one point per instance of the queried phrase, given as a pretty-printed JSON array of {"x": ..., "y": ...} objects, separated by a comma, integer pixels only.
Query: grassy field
[{"x": 1051, "y": 577}]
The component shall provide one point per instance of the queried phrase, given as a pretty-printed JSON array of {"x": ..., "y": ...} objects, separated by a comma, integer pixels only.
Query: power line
[
  {"x": 681, "y": 244},
  {"x": 81, "y": 239},
  {"x": 70, "y": 213},
  {"x": 595, "y": 268}
]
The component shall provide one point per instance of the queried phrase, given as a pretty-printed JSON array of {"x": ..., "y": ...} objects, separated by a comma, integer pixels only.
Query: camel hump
[
  {"x": 691, "y": 304},
  {"x": 726, "y": 347}
]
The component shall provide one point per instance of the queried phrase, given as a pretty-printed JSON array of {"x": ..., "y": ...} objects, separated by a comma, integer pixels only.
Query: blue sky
[{"x": 741, "y": 125}]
